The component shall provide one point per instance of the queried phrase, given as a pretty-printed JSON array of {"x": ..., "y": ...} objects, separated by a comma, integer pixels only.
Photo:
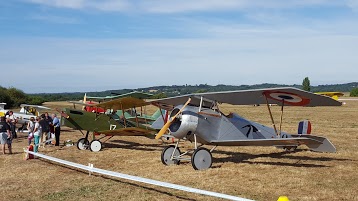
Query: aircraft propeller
[{"x": 170, "y": 121}]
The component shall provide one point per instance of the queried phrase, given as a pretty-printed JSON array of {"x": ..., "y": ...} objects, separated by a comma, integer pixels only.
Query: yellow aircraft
[{"x": 333, "y": 95}]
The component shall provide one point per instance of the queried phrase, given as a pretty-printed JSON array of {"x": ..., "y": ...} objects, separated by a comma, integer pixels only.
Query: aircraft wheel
[
  {"x": 82, "y": 144},
  {"x": 167, "y": 153},
  {"x": 96, "y": 146},
  {"x": 201, "y": 159}
]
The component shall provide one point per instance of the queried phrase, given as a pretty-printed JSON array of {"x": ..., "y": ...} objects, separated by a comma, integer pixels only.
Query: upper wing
[
  {"x": 287, "y": 95},
  {"x": 122, "y": 103},
  {"x": 36, "y": 106},
  {"x": 134, "y": 94}
]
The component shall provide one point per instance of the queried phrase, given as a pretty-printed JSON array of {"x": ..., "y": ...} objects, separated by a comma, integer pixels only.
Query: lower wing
[{"x": 131, "y": 131}]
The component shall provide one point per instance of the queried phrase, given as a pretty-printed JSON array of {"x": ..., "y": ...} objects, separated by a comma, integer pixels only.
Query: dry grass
[{"x": 261, "y": 173}]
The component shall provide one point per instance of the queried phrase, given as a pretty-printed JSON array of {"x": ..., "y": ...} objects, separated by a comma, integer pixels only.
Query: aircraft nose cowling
[{"x": 185, "y": 123}]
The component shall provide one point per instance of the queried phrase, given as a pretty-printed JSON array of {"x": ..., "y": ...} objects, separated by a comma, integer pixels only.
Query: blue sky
[{"x": 95, "y": 45}]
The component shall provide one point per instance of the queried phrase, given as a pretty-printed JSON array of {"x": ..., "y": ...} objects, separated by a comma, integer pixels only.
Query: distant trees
[
  {"x": 15, "y": 97},
  {"x": 306, "y": 85},
  {"x": 158, "y": 96},
  {"x": 354, "y": 92}
]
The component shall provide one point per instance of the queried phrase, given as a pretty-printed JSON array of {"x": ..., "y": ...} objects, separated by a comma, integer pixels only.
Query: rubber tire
[
  {"x": 203, "y": 156},
  {"x": 82, "y": 141},
  {"x": 95, "y": 146},
  {"x": 166, "y": 154}
]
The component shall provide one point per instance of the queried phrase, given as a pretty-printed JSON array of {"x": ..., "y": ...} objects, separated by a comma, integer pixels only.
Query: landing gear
[
  {"x": 82, "y": 144},
  {"x": 201, "y": 159},
  {"x": 95, "y": 146},
  {"x": 170, "y": 154}
]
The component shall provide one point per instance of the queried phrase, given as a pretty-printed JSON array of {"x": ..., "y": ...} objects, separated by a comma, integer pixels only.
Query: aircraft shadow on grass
[{"x": 236, "y": 157}]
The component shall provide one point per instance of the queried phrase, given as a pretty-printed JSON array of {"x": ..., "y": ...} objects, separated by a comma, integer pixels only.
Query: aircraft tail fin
[{"x": 84, "y": 101}]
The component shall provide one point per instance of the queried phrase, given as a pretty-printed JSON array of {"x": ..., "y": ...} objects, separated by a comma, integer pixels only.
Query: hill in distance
[{"x": 174, "y": 90}]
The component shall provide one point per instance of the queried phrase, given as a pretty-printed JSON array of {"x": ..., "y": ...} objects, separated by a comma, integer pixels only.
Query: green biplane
[{"x": 114, "y": 122}]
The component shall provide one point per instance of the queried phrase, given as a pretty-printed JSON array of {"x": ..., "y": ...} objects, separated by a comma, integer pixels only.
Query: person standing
[
  {"x": 30, "y": 128},
  {"x": 37, "y": 134},
  {"x": 5, "y": 134},
  {"x": 48, "y": 119},
  {"x": 9, "y": 139},
  {"x": 56, "y": 124},
  {"x": 13, "y": 122},
  {"x": 45, "y": 127}
]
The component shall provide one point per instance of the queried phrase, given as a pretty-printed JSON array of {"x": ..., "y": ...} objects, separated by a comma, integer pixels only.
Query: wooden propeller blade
[{"x": 167, "y": 125}]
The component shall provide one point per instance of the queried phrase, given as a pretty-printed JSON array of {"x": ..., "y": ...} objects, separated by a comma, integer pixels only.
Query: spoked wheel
[
  {"x": 201, "y": 159},
  {"x": 96, "y": 146},
  {"x": 167, "y": 153},
  {"x": 82, "y": 144}
]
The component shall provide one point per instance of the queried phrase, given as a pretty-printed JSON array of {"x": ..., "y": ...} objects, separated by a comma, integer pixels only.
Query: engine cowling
[{"x": 185, "y": 123}]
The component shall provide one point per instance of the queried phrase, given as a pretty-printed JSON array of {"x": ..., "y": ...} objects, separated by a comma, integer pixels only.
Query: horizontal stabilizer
[
  {"x": 267, "y": 142},
  {"x": 315, "y": 143},
  {"x": 325, "y": 146}
]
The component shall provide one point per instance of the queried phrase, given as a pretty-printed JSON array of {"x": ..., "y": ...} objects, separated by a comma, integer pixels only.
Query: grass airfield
[{"x": 259, "y": 173}]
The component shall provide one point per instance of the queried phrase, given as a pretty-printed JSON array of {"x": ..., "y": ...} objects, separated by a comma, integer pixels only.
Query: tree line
[{"x": 14, "y": 97}]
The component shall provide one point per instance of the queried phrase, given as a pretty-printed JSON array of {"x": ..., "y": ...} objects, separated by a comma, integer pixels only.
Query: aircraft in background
[
  {"x": 198, "y": 119},
  {"x": 130, "y": 114},
  {"x": 335, "y": 95},
  {"x": 114, "y": 122},
  {"x": 26, "y": 112}
]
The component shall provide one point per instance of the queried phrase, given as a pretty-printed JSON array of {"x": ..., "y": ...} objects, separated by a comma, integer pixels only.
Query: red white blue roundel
[{"x": 287, "y": 98}]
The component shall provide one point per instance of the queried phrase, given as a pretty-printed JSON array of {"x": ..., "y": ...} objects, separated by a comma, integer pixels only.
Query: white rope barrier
[{"x": 92, "y": 169}]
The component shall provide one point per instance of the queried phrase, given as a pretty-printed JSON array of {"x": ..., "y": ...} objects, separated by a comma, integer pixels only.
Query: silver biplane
[{"x": 197, "y": 118}]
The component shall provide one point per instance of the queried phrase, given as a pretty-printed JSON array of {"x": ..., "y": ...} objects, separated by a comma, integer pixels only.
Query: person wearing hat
[{"x": 5, "y": 134}]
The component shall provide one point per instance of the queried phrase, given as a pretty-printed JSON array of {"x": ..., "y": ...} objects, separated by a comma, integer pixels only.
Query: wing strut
[
  {"x": 136, "y": 117},
  {"x": 124, "y": 118},
  {"x": 269, "y": 109},
  {"x": 283, "y": 103}
]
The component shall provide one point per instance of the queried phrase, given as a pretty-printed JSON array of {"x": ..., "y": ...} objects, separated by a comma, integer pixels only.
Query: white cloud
[
  {"x": 74, "y": 4},
  {"x": 353, "y": 4},
  {"x": 103, "y": 5},
  {"x": 99, "y": 64},
  {"x": 55, "y": 19},
  {"x": 179, "y": 6}
]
